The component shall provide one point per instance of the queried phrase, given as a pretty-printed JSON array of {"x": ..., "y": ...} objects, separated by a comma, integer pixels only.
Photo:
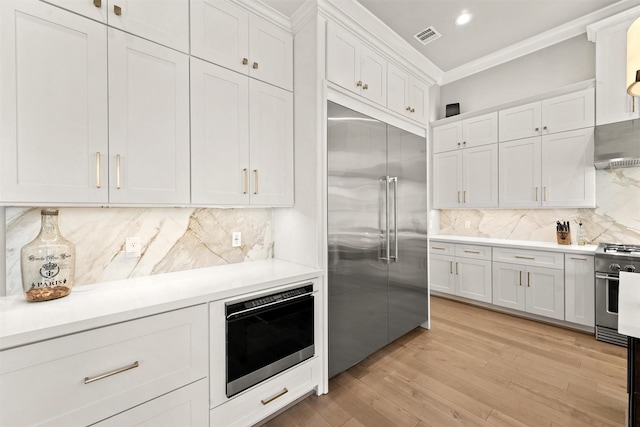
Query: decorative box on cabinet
[
  {"x": 406, "y": 94},
  {"x": 467, "y": 133},
  {"x": 551, "y": 171},
  {"x": 242, "y": 148},
  {"x": 225, "y": 34},
  {"x": 53, "y": 130},
  {"x": 530, "y": 281},
  {"x": 354, "y": 66},
  {"x": 461, "y": 269},
  {"x": 165, "y": 22},
  {"x": 613, "y": 103},
  {"x": 579, "y": 288},
  {"x": 87, "y": 377},
  {"x": 466, "y": 178},
  {"x": 565, "y": 112}
]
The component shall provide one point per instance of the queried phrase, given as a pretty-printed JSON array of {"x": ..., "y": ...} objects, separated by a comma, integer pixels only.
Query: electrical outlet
[
  {"x": 236, "y": 239},
  {"x": 467, "y": 224},
  {"x": 132, "y": 247}
]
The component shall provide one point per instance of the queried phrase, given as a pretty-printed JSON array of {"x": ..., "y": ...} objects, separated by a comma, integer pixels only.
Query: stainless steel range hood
[{"x": 617, "y": 145}]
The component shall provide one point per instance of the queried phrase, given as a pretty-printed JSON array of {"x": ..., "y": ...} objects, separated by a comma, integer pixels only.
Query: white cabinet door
[
  {"x": 545, "y": 292},
  {"x": 518, "y": 122},
  {"x": 480, "y": 130},
  {"x": 480, "y": 177},
  {"x": 519, "y": 173},
  {"x": 579, "y": 289},
  {"x": 94, "y": 9},
  {"x": 473, "y": 279},
  {"x": 568, "y": 174},
  {"x": 441, "y": 274},
  {"x": 343, "y": 58},
  {"x": 509, "y": 285},
  {"x": 447, "y": 137},
  {"x": 219, "y": 135},
  {"x": 447, "y": 180},
  {"x": 418, "y": 99},
  {"x": 53, "y": 126},
  {"x": 148, "y": 122},
  {"x": 270, "y": 53},
  {"x": 373, "y": 74},
  {"x": 220, "y": 34},
  {"x": 613, "y": 103},
  {"x": 271, "y": 145},
  {"x": 165, "y": 22},
  {"x": 397, "y": 90},
  {"x": 567, "y": 112}
]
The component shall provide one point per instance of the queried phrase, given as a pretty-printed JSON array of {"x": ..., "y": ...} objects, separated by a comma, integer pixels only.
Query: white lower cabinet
[
  {"x": 83, "y": 378},
  {"x": 533, "y": 283},
  {"x": 463, "y": 270},
  {"x": 579, "y": 289}
]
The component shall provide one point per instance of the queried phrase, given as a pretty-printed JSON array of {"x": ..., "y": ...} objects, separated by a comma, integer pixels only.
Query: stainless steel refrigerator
[{"x": 377, "y": 235}]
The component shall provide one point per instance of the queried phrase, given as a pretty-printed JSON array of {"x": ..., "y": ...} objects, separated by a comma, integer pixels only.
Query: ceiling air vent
[{"x": 427, "y": 35}]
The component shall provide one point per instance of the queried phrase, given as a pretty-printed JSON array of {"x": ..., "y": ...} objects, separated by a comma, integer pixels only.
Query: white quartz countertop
[
  {"x": 101, "y": 304},
  {"x": 629, "y": 304},
  {"x": 522, "y": 244}
]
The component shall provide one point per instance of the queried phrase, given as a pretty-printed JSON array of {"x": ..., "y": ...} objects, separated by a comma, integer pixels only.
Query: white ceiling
[{"x": 496, "y": 24}]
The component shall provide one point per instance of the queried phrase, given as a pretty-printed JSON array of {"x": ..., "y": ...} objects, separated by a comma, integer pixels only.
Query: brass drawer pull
[
  {"x": 365, "y": 86},
  {"x": 97, "y": 3},
  {"x": 359, "y": 83},
  {"x": 117, "y": 10},
  {"x": 246, "y": 181},
  {"x": 271, "y": 399},
  {"x": 88, "y": 380},
  {"x": 97, "y": 169},
  {"x": 451, "y": 267},
  {"x": 255, "y": 65},
  {"x": 528, "y": 279},
  {"x": 245, "y": 61},
  {"x": 471, "y": 252},
  {"x": 521, "y": 278},
  {"x": 255, "y": 176},
  {"x": 438, "y": 248},
  {"x": 525, "y": 257},
  {"x": 578, "y": 258}
]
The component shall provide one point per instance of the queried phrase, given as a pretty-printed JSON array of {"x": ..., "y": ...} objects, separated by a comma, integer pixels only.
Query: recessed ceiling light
[{"x": 464, "y": 18}]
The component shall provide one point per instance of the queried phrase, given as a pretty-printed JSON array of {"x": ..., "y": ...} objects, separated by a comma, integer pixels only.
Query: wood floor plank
[{"x": 475, "y": 367}]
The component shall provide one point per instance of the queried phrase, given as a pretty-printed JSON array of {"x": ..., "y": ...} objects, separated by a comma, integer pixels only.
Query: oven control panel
[{"x": 275, "y": 297}]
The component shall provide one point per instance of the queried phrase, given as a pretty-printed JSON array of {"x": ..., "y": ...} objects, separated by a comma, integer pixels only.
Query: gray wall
[{"x": 559, "y": 65}]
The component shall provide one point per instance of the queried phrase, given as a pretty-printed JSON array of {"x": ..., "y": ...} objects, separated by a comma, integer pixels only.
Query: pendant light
[{"x": 633, "y": 59}]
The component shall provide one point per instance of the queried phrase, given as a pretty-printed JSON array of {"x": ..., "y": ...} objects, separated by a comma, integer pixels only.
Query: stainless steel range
[{"x": 610, "y": 259}]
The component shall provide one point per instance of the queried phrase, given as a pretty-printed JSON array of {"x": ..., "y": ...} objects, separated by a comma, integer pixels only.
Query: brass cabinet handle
[
  {"x": 359, "y": 83},
  {"x": 117, "y": 10},
  {"x": 464, "y": 196},
  {"x": 458, "y": 197},
  {"x": 97, "y": 3},
  {"x": 413, "y": 110},
  {"x": 545, "y": 194},
  {"x": 537, "y": 129},
  {"x": 255, "y": 177},
  {"x": 246, "y": 181},
  {"x": 459, "y": 144},
  {"x": 521, "y": 278},
  {"x": 471, "y": 252},
  {"x": 464, "y": 142},
  {"x": 451, "y": 267},
  {"x": 536, "y": 194},
  {"x": 245, "y": 61},
  {"x": 438, "y": 248},
  {"x": 528, "y": 279},
  {"x": 272, "y": 398},
  {"x": 578, "y": 258},
  {"x": 544, "y": 128},
  {"x": 457, "y": 272},
  {"x": 255, "y": 65},
  {"x": 89, "y": 380},
  {"x": 633, "y": 104},
  {"x": 525, "y": 257},
  {"x": 118, "y": 171},
  {"x": 365, "y": 86},
  {"x": 408, "y": 109},
  {"x": 97, "y": 169}
]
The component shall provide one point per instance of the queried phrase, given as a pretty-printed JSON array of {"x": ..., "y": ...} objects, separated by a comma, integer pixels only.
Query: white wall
[{"x": 559, "y": 65}]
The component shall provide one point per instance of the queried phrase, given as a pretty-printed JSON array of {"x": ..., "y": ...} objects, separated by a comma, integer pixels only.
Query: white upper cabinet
[
  {"x": 228, "y": 35},
  {"x": 148, "y": 122},
  {"x": 613, "y": 103},
  {"x": 566, "y": 112},
  {"x": 519, "y": 176},
  {"x": 165, "y": 22},
  {"x": 53, "y": 126},
  {"x": 406, "y": 94},
  {"x": 447, "y": 180},
  {"x": 467, "y": 133},
  {"x": 354, "y": 66}
]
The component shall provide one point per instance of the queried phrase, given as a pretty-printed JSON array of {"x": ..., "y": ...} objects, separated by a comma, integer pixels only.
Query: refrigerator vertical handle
[
  {"x": 394, "y": 257},
  {"x": 384, "y": 225}
]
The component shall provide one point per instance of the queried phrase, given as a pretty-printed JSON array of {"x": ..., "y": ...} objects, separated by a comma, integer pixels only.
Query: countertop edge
[{"x": 521, "y": 244}]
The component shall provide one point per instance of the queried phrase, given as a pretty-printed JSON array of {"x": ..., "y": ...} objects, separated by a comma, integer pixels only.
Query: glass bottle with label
[
  {"x": 48, "y": 262},
  {"x": 582, "y": 236}
]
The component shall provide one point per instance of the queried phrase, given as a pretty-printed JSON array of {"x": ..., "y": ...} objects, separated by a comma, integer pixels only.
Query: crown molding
[
  {"x": 548, "y": 38},
  {"x": 627, "y": 15}
]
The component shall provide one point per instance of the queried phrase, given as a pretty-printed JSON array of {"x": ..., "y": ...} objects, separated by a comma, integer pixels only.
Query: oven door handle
[
  {"x": 607, "y": 277},
  {"x": 249, "y": 310}
]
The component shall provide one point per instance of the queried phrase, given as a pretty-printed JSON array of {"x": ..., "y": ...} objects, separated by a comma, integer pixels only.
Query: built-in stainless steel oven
[
  {"x": 268, "y": 334},
  {"x": 610, "y": 259}
]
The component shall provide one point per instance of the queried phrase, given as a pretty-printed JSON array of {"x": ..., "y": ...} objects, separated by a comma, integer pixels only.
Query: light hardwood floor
[{"x": 476, "y": 367}]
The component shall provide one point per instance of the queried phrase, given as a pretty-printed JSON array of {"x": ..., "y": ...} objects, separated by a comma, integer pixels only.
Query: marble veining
[
  {"x": 173, "y": 239},
  {"x": 616, "y": 217}
]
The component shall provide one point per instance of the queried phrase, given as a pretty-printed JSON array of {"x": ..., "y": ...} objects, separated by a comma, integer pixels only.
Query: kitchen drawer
[
  {"x": 441, "y": 248},
  {"x": 81, "y": 378},
  {"x": 529, "y": 257},
  {"x": 185, "y": 407},
  {"x": 473, "y": 251},
  {"x": 266, "y": 398}
]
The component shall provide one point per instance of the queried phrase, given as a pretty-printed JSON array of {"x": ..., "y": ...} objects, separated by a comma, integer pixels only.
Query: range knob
[
  {"x": 630, "y": 268},
  {"x": 614, "y": 267}
]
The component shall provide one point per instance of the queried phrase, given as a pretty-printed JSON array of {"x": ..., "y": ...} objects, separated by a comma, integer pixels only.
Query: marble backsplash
[
  {"x": 172, "y": 239},
  {"x": 616, "y": 218}
]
